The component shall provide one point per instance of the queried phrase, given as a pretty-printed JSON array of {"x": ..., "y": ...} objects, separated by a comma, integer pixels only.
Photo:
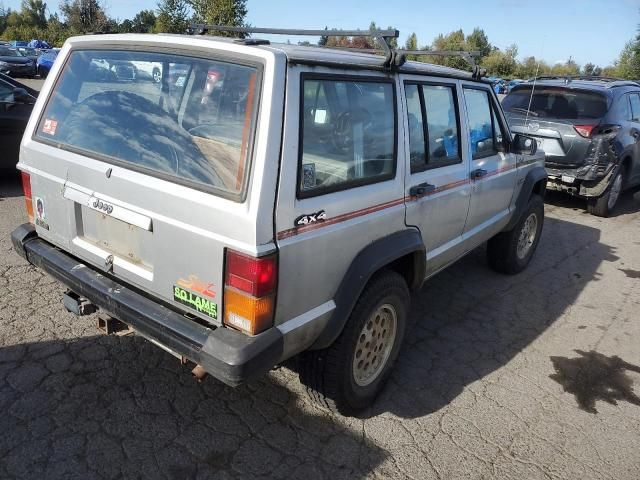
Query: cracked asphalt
[{"x": 528, "y": 377}]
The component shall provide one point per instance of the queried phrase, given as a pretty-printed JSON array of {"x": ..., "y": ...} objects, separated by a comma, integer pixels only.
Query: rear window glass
[
  {"x": 186, "y": 118},
  {"x": 555, "y": 102}
]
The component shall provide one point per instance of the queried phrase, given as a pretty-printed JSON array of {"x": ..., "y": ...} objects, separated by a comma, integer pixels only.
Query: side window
[
  {"x": 442, "y": 124},
  {"x": 433, "y": 126},
  {"x": 6, "y": 93},
  {"x": 481, "y": 133},
  {"x": 348, "y": 134},
  {"x": 635, "y": 107},
  {"x": 417, "y": 145}
]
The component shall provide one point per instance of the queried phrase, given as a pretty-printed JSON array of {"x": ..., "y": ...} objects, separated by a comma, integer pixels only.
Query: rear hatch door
[
  {"x": 148, "y": 181},
  {"x": 559, "y": 117}
]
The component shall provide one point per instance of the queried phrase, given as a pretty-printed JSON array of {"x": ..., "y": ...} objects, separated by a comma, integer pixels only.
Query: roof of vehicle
[
  {"x": 334, "y": 57},
  {"x": 582, "y": 82}
]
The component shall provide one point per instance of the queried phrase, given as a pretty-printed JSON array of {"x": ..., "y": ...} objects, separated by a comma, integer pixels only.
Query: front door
[
  {"x": 437, "y": 178},
  {"x": 493, "y": 169}
]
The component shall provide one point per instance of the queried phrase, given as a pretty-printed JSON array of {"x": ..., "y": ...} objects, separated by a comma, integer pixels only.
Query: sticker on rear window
[
  {"x": 49, "y": 126},
  {"x": 196, "y": 302}
]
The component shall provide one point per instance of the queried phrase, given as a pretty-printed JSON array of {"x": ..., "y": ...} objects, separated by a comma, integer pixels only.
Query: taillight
[
  {"x": 249, "y": 292},
  {"x": 584, "y": 130},
  {"x": 26, "y": 189}
]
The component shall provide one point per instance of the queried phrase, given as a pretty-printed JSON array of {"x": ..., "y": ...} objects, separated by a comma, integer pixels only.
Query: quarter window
[
  {"x": 348, "y": 134},
  {"x": 433, "y": 126}
]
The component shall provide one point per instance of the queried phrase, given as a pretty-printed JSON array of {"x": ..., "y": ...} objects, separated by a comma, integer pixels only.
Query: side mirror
[
  {"x": 20, "y": 95},
  {"x": 524, "y": 145}
]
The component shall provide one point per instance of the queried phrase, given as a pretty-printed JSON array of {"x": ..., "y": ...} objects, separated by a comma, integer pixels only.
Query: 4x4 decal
[{"x": 310, "y": 218}]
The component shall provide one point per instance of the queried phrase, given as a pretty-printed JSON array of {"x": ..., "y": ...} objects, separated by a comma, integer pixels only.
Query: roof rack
[
  {"x": 382, "y": 36},
  {"x": 394, "y": 58}
]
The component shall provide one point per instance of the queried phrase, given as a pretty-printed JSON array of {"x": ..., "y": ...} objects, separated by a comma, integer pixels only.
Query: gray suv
[
  {"x": 263, "y": 201},
  {"x": 589, "y": 129}
]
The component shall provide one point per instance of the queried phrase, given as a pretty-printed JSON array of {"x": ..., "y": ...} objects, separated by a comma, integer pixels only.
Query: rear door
[
  {"x": 493, "y": 168},
  {"x": 151, "y": 182},
  {"x": 437, "y": 175}
]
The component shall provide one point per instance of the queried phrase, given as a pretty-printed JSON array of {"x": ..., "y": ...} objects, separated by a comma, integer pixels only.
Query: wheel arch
[
  {"x": 535, "y": 183},
  {"x": 403, "y": 252}
]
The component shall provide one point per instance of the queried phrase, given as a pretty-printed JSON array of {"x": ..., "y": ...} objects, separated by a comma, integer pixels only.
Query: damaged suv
[
  {"x": 264, "y": 201},
  {"x": 589, "y": 128}
]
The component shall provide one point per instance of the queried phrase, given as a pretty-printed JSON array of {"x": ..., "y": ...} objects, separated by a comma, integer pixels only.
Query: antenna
[{"x": 533, "y": 87}]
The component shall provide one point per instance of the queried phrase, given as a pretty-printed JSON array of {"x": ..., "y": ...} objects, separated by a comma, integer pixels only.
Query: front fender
[{"x": 533, "y": 177}]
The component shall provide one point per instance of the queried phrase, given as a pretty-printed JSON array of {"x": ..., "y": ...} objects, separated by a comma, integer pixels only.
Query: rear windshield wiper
[{"x": 524, "y": 110}]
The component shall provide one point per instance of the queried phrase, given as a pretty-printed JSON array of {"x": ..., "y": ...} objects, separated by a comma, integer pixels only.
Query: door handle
[
  {"x": 478, "y": 173},
  {"x": 421, "y": 189}
]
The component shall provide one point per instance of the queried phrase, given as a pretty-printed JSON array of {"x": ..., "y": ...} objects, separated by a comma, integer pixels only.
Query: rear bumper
[
  {"x": 569, "y": 180},
  {"x": 230, "y": 356}
]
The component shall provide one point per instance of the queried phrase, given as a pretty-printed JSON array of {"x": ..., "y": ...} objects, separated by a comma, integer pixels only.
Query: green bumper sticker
[{"x": 196, "y": 302}]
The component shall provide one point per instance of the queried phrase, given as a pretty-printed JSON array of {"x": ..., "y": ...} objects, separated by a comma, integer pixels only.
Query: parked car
[
  {"x": 19, "y": 43},
  {"x": 29, "y": 52},
  {"x": 589, "y": 129},
  {"x": 278, "y": 201},
  {"x": 16, "y": 104},
  {"x": 14, "y": 64},
  {"x": 45, "y": 62},
  {"x": 512, "y": 83}
]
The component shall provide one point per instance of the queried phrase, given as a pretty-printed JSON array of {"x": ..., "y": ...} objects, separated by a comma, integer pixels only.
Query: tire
[
  {"x": 156, "y": 74},
  {"x": 604, "y": 205},
  {"x": 334, "y": 377},
  {"x": 510, "y": 252}
]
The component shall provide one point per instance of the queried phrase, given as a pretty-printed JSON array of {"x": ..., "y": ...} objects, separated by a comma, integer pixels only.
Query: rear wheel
[
  {"x": 604, "y": 205},
  {"x": 510, "y": 252},
  {"x": 347, "y": 376}
]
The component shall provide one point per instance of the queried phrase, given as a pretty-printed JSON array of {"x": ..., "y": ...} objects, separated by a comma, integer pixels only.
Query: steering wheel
[{"x": 342, "y": 137}]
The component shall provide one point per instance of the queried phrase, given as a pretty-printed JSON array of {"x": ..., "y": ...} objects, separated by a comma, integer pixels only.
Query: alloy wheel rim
[
  {"x": 615, "y": 191},
  {"x": 374, "y": 345},
  {"x": 527, "y": 236}
]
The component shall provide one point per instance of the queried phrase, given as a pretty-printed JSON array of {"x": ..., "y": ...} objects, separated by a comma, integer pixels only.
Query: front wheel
[
  {"x": 347, "y": 376},
  {"x": 604, "y": 205},
  {"x": 510, "y": 252}
]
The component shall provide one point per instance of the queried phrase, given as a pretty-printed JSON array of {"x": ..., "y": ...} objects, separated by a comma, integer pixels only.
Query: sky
[{"x": 554, "y": 30}]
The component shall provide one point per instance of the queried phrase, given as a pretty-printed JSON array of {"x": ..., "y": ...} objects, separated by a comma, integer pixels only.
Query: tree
[
  {"x": 451, "y": 41},
  {"x": 82, "y": 16},
  {"x": 220, "y": 12},
  {"x": 411, "y": 44},
  {"x": 144, "y": 21},
  {"x": 323, "y": 39},
  {"x": 172, "y": 16},
  {"x": 628, "y": 64},
  {"x": 34, "y": 13},
  {"x": 501, "y": 64},
  {"x": 478, "y": 40}
]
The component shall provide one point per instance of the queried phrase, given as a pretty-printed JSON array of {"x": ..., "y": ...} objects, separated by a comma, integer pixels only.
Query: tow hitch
[{"x": 77, "y": 304}]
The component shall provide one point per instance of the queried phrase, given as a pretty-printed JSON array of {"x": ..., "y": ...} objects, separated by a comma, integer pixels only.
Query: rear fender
[{"x": 371, "y": 259}]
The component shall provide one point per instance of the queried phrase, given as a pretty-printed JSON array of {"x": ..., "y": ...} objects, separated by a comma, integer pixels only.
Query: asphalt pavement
[{"x": 533, "y": 376}]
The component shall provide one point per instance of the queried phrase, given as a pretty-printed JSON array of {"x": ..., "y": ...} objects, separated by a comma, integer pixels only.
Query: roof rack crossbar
[
  {"x": 382, "y": 36},
  {"x": 466, "y": 55}
]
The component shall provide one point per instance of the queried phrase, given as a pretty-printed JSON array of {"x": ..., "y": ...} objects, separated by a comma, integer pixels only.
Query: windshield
[
  {"x": 168, "y": 115},
  {"x": 7, "y": 52},
  {"x": 555, "y": 102}
]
